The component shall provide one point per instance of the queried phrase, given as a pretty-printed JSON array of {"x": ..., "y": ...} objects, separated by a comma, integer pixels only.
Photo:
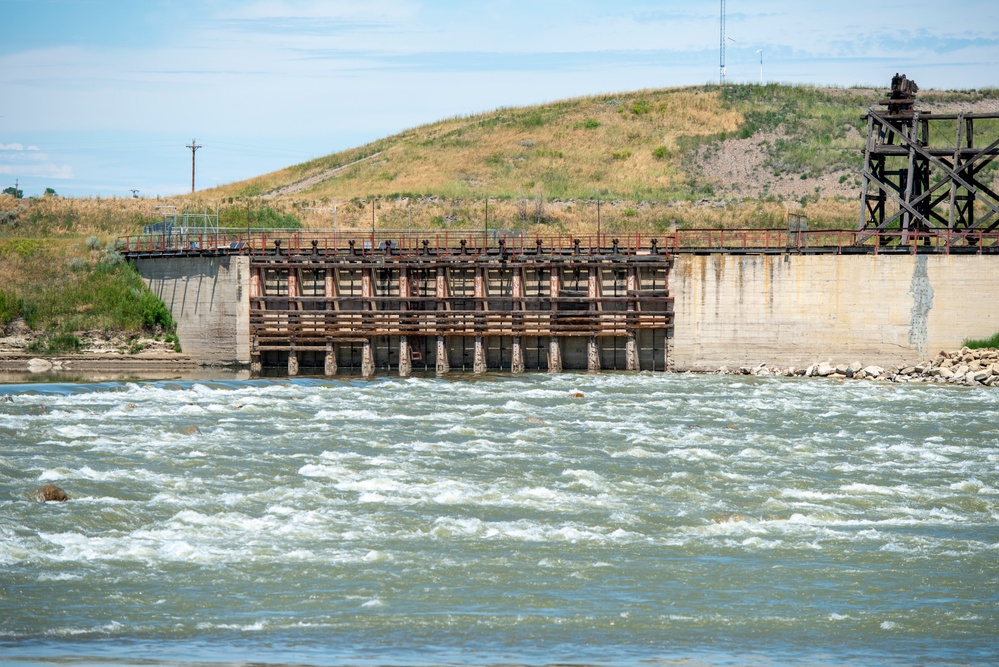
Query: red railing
[
  {"x": 302, "y": 242},
  {"x": 363, "y": 243}
]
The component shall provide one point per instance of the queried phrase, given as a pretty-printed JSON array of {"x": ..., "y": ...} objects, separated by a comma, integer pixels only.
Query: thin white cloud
[
  {"x": 16, "y": 159},
  {"x": 49, "y": 170}
]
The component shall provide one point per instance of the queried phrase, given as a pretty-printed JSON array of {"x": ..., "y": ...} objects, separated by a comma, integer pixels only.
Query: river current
[{"x": 618, "y": 519}]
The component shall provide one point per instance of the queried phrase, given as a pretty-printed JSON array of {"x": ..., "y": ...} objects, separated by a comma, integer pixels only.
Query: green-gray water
[{"x": 657, "y": 519}]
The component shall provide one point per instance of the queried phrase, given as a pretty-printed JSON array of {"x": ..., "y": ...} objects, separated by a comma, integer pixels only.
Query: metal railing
[{"x": 407, "y": 243}]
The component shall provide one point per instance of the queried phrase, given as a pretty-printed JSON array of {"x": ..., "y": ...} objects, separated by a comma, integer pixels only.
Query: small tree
[
  {"x": 18, "y": 194},
  {"x": 49, "y": 192}
]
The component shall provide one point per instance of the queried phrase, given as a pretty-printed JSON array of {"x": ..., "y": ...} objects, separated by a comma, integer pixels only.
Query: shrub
[
  {"x": 10, "y": 307},
  {"x": 661, "y": 153},
  {"x": 154, "y": 312},
  {"x": 641, "y": 107}
]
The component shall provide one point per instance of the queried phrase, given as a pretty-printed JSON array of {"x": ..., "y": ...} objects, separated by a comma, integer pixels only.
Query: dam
[{"x": 323, "y": 303}]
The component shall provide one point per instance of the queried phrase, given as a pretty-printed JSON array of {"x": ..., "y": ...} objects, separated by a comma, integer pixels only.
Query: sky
[{"x": 100, "y": 97}]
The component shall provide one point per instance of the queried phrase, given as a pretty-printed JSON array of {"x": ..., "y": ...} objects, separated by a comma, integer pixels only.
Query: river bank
[{"x": 964, "y": 366}]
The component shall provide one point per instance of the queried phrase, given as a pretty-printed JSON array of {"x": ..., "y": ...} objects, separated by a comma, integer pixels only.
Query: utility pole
[
  {"x": 194, "y": 148},
  {"x": 721, "y": 47}
]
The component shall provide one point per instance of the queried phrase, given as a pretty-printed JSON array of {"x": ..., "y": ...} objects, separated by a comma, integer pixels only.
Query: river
[{"x": 617, "y": 519}]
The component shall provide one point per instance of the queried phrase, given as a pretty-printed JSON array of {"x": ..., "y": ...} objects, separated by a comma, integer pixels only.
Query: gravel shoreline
[{"x": 965, "y": 367}]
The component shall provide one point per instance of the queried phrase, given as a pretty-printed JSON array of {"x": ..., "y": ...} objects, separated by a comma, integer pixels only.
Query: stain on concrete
[{"x": 922, "y": 303}]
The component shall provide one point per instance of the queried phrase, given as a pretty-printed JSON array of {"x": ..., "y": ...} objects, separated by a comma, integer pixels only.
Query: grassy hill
[
  {"x": 707, "y": 156},
  {"x": 738, "y": 155}
]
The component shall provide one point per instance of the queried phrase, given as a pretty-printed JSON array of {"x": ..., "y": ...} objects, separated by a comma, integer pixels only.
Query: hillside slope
[{"x": 753, "y": 151}]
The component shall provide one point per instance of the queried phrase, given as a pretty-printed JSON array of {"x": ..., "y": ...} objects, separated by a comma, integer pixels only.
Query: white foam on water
[
  {"x": 111, "y": 628},
  {"x": 257, "y": 626},
  {"x": 861, "y": 488}
]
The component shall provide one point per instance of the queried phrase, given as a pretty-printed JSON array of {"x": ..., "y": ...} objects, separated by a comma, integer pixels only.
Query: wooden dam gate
[{"x": 320, "y": 309}]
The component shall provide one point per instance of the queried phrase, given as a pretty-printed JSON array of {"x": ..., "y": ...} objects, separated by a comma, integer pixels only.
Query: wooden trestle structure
[
  {"x": 443, "y": 309},
  {"x": 925, "y": 175}
]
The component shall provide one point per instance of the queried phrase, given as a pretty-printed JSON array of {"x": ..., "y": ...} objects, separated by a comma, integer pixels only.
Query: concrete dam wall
[
  {"x": 727, "y": 310},
  {"x": 793, "y": 310},
  {"x": 208, "y": 297}
]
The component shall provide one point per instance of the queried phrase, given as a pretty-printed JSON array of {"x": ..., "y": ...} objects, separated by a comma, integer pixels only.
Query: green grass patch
[
  {"x": 62, "y": 343},
  {"x": 978, "y": 344}
]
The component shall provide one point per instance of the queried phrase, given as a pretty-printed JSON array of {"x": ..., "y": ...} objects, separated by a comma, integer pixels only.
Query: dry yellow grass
[{"x": 576, "y": 148}]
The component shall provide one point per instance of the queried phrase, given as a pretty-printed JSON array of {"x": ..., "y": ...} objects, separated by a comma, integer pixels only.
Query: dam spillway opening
[{"x": 362, "y": 310}]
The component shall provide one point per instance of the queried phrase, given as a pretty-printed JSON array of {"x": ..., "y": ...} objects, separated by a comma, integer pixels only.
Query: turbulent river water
[{"x": 617, "y": 519}]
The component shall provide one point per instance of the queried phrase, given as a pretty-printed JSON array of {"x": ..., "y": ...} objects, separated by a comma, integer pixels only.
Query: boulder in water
[{"x": 51, "y": 493}]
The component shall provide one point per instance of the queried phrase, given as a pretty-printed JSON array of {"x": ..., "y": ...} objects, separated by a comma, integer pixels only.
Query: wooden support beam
[
  {"x": 631, "y": 359},
  {"x": 554, "y": 344},
  {"x": 329, "y": 365}
]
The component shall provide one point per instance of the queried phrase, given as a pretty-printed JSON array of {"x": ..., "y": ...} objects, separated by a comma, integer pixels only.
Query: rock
[
  {"x": 837, "y": 376},
  {"x": 980, "y": 376},
  {"x": 51, "y": 493},
  {"x": 577, "y": 394},
  {"x": 535, "y": 420},
  {"x": 944, "y": 354},
  {"x": 723, "y": 370},
  {"x": 7, "y": 399},
  {"x": 961, "y": 370},
  {"x": 853, "y": 369},
  {"x": 810, "y": 371},
  {"x": 946, "y": 373},
  {"x": 824, "y": 370},
  {"x": 874, "y": 371},
  {"x": 975, "y": 365},
  {"x": 908, "y": 370},
  {"x": 39, "y": 365},
  {"x": 190, "y": 430}
]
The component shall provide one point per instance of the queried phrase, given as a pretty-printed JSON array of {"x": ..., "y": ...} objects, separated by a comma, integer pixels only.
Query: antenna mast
[{"x": 721, "y": 46}]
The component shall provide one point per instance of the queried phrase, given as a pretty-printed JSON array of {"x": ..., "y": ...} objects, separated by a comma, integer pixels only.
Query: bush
[{"x": 154, "y": 312}]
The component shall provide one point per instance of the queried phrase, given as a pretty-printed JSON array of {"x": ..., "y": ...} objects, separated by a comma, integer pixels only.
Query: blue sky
[{"x": 101, "y": 96}]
